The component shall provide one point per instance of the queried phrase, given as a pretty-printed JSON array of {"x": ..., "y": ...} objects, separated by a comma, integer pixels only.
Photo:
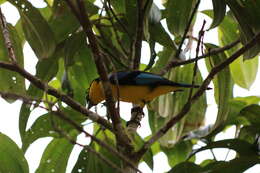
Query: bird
[{"x": 137, "y": 87}]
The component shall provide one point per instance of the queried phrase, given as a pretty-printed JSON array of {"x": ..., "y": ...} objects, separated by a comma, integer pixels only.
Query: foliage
[{"x": 67, "y": 62}]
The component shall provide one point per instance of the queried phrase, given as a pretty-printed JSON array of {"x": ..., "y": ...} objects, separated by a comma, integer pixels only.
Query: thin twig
[
  {"x": 187, "y": 29},
  {"x": 195, "y": 97},
  {"x": 200, "y": 42},
  {"x": 175, "y": 63},
  {"x": 7, "y": 38}
]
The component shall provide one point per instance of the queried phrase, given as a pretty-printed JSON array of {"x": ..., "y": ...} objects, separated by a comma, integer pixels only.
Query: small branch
[
  {"x": 136, "y": 56},
  {"x": 187, "y": 29},
  {"x": 63, "y": 97},
  {"x": 175, "y": 63},
  {"x": 61, "y": 115},
  {"x": 200, "y": 91},
  {"x": 199, "y": 43},
  {"x": 7, "y": 38}
]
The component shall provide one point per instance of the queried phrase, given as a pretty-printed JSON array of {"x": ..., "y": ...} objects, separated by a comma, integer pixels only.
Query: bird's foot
[{"x": 133, "y": 121}]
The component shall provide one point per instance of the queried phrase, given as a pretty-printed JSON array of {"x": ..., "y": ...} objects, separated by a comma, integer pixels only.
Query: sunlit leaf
[{"x": 223, "y": 85}]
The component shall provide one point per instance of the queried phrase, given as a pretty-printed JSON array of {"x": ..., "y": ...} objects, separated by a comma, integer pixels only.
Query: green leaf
[
  {"x": 236, "y": 165},
  {"x": 46, "y": 126},
  {"x": 249, "y": 100},
  {"x": 163, "y": 58},
  {"x": 36, "y": 29},
  {"x": 243, "y": 148},
  {"x": 11, "y": 157},
  {"x": 219, "y": 8},
  {"x": 81, "y": 74},
  {"x": 119, "y": 6},
  {"x": 246, "y": 17},
  {"x": 243, "y": 72},
  {"x": 72, "y": 46},
  {"x": 55, "y": 156},
  {"x": 223, "y": 85},
  {"x": 186, "y": 167},
  {"x": 62, "y": 21},
  {"x": 178, "y": 14},
  {"x": 11, "y": 81},
  {"x": 89, "y": 162},
  {"x": 249, "y": 133},
  {"x": 148, "y": 156},
  {"x": 251, "y": 113},
  {"x": 158, "y": 34},
  {"x": 178, "y": 153}
]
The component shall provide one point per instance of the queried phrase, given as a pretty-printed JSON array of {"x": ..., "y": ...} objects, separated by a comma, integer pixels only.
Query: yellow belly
[{"x": 139, "y": 94}]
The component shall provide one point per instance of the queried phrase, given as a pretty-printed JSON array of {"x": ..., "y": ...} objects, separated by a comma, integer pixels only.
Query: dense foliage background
[{"x": 76, "y": 41}]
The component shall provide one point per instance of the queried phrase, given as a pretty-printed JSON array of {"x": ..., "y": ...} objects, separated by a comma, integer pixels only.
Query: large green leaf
[
  {"x": 243, "y": 72},
  {"x": 233, "y": 166},
  {"x": 11, "y": 81},
  {"x": 186, "y": 167},
  {"x": 36, "y": 29},
  {"x": 46, "y": 125},
  {"x": 62, "y": 21},
  {"x": 179, "y": 153},
  {"x": 11, "y": 157},
  {"x": 249, "y": 133},
  {"x": 243, "y": 148},
  {"x": 178, "y": 14},
  {"x": 219, "y": 8},
  {"x": 251, "y": 113},
  {"x": 223, "y": 85},
  {"x": 246, "y": 15},
  {"x": 55, "y": 156}
]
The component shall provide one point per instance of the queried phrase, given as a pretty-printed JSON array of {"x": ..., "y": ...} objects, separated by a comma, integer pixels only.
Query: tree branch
[
  {"x": 7, "y": 39},
  {"x": 194, "y": 98},
  {"x": 174, "y": 63},
  {"x": 121, "y": 136},
  {"x": 136, "y": 56},
  {"x": 63, "y": 97}
]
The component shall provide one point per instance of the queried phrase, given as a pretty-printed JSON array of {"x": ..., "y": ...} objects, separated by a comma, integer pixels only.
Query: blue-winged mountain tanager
[{"x": 136, "y": 87}]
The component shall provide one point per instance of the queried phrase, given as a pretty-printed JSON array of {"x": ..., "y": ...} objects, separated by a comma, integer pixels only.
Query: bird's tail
[{"x": 183, "y": 85}]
